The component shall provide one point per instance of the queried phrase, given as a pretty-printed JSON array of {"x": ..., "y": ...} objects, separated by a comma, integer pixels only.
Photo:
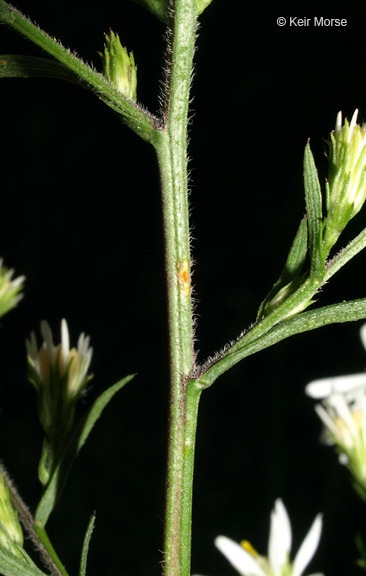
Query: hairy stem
[
  {"x": 171, "y": 147},
  {"x": 193, "y": 395}
]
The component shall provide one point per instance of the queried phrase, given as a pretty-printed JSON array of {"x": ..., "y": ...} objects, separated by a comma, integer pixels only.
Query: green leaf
[
  {"x": 85, "y": 550},
  {"x": 157, "y": 7},
  {"x": 304, "y": 322},
  {"x": 314, "y": 211},
  {"x": 290, "y": 278},
  {"x": 11, "y": 565},
  {"x": 297, "y": 255},
  {"x": 58, "y": 479},
  {"x": 20, "y": 66},
  {"x": 201, "y": 5}
]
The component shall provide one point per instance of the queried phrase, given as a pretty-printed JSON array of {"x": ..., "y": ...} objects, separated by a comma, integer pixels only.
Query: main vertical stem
[{"x": 171, "y": 147}]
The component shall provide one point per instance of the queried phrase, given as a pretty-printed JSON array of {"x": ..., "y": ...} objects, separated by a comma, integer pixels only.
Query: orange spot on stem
[{"x": 184, "y": 275}]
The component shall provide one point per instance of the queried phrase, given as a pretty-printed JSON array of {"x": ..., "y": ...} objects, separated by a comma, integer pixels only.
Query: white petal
[
  {"x": 308, "y": 547},
  {"x": 327, "y": 421},
  {"x": 363, "y": 335},
  {"x": 280, "y": 537},
  {"x": 338, "y": 126},
  {"x": 239, "y": 558},
  {"x": 65, "y": 343},
  {"x": 353, "y": 123},
  {"x": 326, "y": 386}
]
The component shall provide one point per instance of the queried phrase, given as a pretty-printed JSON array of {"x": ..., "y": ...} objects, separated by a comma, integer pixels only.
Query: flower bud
[
  {"x": 59, "y": 376},
  {"x": 119, "y": 66},
  {"x": 11, "y": 534},
  {"x": 346, "y": 186},
  {"x": 10, "y": 290}
]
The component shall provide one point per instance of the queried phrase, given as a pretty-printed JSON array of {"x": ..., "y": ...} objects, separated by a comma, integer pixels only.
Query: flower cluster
[
  {"x": 346, "y": 186},
  {"x": 249, "y": 563},
  {"x": 59, "y": 375},
  {"x": 342, "y": 409}
]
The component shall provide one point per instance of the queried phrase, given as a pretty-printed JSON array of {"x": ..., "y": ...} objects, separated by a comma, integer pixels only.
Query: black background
[{"x": 80, "y": 217}]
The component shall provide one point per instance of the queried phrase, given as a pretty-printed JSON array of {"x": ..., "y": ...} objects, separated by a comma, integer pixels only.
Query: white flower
[
  {"x": 49, "y": 361},
  {"x": 343, "y": 412},
  {"x": 249, "y": 563},
  {"x": 59, "y": 375}
]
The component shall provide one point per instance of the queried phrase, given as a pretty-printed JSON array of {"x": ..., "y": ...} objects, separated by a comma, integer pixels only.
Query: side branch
[
  {"x": 139, "y": 120},
  {"x": 305, "y": 322}
]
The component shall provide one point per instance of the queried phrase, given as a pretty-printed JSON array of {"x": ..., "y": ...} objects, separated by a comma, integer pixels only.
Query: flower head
[
  {"x": 346, "y": 186},
  {"x": 119, "y": 66},
  {"x": 10, "y": 290},
  {"x": 59, "y": 375},
  {"x": 342, "y": 409},
  {"x": 249, "y": 563}
]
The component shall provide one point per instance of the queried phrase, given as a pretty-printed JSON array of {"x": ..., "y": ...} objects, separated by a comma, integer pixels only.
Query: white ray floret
[{"x": 249, "y": 563}]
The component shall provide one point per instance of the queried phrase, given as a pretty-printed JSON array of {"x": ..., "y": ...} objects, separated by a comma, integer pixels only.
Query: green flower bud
[
  {"x": 119, "y": 66},
  {"x": 11, "y": 534},
  {"x": 346, "y": 186},
  {"x": 59, "y": 376},
  {"x": 10, "y": 290}
]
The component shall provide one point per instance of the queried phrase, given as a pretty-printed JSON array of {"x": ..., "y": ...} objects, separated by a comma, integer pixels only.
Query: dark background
[{"x": 80, "y": 217}]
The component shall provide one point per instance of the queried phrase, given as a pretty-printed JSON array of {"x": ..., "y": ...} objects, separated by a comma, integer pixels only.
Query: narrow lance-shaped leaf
[
  {"x": 22, "y": 66},
  {"x": 314, "y": 211},
  {"x": 290, "y": 277},
  {"x": 86, "y": 543},
  {"x": 61, "y": 472}
]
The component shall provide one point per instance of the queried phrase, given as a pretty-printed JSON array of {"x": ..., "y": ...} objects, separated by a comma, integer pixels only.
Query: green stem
[
  {"x": 171, "y": 147},
  {"x": 304, "y": 322},
  {"x": 191, "y": 415},
  {"x": 134, "y": 115},
  {"x": 43, "y": 537}
]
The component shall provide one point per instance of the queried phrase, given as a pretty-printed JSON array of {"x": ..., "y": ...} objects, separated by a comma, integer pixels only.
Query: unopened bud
[
  {"x": 119, "y": 66},
  {"x": 346, "y": 186}
]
